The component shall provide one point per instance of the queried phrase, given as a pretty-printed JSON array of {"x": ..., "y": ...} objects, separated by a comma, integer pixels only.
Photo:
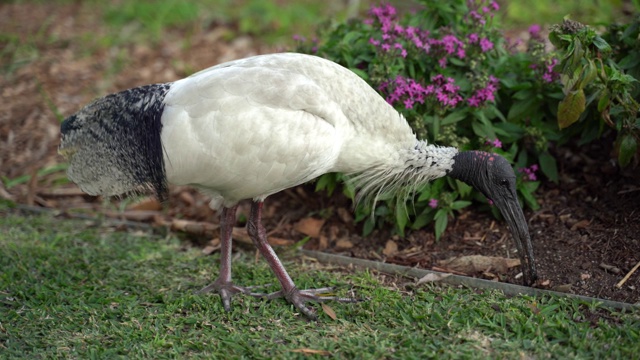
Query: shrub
[{"x": 459, "y": 82}]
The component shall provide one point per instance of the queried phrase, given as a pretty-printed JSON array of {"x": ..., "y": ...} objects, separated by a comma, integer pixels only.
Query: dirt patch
[{"x": 586, "y": 234}]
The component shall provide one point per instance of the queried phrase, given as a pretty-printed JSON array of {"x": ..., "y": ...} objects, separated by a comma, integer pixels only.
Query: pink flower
[
  {"x": 486, "y": 44},
  {"x": 529, "y": 173},
  {"x": 433, "y": 203},
  {"x": 496, "y": 143},
  {"x": 534, "y": 31}
]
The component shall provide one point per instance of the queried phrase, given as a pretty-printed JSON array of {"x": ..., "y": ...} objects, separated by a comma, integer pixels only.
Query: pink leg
[
  {"x": 289, "y": 291},
  {"x": 225, "y": 287},
  {"x": 223, "y": 284}
]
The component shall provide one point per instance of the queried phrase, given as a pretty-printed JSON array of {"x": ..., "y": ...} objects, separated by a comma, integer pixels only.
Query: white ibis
[{"x": 249, "y": 128}]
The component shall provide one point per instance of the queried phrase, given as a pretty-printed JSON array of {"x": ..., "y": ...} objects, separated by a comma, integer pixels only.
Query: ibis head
[{"x": 492, "y": 175}]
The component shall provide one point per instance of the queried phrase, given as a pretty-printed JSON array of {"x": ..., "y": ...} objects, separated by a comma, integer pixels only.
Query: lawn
[{"x": 75, "y": 289}]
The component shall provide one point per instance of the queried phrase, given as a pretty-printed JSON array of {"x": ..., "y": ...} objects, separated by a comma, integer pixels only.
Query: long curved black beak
[{"x": 512, "y": 213}]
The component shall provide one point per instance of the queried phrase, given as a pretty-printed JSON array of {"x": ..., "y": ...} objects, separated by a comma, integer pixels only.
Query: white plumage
[{"x": 252, "y": 127}]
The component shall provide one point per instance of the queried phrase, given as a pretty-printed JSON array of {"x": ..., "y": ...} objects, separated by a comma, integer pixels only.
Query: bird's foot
[
  {"x": 299, "y": 297},
  {"x": 226, "y": 289}
]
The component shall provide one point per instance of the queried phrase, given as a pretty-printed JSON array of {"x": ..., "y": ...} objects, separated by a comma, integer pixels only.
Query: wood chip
[
  {"x": 309, "y": 226},
  {"x": 344, "y": 243},
  {"x": 565, "y": 288},
  {"x": 610, "y": 268},
  {"x": 390, "y": 248},
  {"x": 580, "y": 225}
]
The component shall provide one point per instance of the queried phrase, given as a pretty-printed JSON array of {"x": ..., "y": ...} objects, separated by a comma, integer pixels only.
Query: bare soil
[{"x": 586, "y": 235}]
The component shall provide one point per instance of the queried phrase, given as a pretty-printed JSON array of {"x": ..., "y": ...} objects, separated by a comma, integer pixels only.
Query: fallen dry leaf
[
  {"x": 431, "y": 277},
  {"x": 323, "y": 244},
  {"x": 390, "y": 248},
  {"x": 240, "y": 234},
  {"x": 312, "y": 351},
  {"x": 309, "y": 226},
  {"x": 329, "y": 311},
  {"x": 580, "y": 225},
  {"x": 344, "y": 243},
  {"x": 345, "y": 215},
  {"x": 212, "y": 246},
  {"x": 479, "y": 263},
  {"x": 146, "y": 204},
  {"x": 565, "y": 288}
]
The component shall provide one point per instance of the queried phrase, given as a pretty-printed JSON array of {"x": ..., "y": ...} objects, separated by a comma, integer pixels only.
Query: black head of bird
[{"x": 493, "y": 176}]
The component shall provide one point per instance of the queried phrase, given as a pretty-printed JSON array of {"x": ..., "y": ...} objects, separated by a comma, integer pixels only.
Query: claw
[
  {"x": 227, "y": 289},
  {"x": 299, "y": 297}
]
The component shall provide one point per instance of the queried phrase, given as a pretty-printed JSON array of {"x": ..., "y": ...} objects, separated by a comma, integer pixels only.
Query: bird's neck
[{"x": 412, "y": 169}]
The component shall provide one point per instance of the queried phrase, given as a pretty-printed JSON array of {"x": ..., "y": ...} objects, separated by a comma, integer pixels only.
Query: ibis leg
[
  {"x": 223, "y": 285},
  {"x": 289, "y": 291}
]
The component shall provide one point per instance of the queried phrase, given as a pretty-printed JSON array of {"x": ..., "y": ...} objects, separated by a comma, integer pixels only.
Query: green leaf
[
  {"x": 523, "y": 108},
  {"x": 441, "y": 223},
  {"x": 570, "y": 108},
  {"x": 630, "y": 61},
  {"x": 628, "y": 148},
  {"x": 605, "y": 100},
  {"x": 367, "y": 228},
  {"x": 602, "y": 45},
  {"x": 423, "y": 219},
  {"x": 528, "y": 197},
  {"x": 460, "y": 204},
  {"x": 363, "y": 74},
  {"x": 402, "y": 217},
  {"x": 549, "y": 166},
  {"x": 454, "y": 117}
]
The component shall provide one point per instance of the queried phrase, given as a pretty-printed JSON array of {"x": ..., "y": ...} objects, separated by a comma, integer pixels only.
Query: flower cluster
[
  {"x": 408, "y": 91},
  {"x": 485, "y": 94},
  {"x": 478, "y": 12},
  {"x": 543, "y": 65},
  {"x": 396, "y": 37},
  {"x": 529, "y": 173}
]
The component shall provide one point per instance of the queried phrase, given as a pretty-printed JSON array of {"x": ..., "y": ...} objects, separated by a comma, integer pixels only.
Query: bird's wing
[{"x": 247, "y": 131}]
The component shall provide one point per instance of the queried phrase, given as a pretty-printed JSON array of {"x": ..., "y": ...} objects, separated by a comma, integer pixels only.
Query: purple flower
[
  {"x": 486, "y": 44},
  {"x": 496, "y": 143},
  {"x": 494, "y": 5},
  {"x": 433, "y": 203},
  {"x": 534, "y": 31},
  {"x": 482, "y": 95},
  {"x": 473, "y": 38},
  {"x": 529, "y": 174}
]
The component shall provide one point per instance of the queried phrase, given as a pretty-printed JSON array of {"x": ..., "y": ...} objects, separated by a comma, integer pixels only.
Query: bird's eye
[{"x": 504, "y": 182}]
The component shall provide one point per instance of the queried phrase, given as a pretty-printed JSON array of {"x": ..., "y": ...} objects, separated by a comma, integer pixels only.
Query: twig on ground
[{"x": 626, "y": 277}]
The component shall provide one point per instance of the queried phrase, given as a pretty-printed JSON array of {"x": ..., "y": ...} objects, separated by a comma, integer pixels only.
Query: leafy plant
[
  {"x": 596, "y": 88},
  {"x": 449, "y": 70}
]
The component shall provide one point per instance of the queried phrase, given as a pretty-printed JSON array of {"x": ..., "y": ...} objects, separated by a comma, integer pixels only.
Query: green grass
[{"x": 68, "y": 289}]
